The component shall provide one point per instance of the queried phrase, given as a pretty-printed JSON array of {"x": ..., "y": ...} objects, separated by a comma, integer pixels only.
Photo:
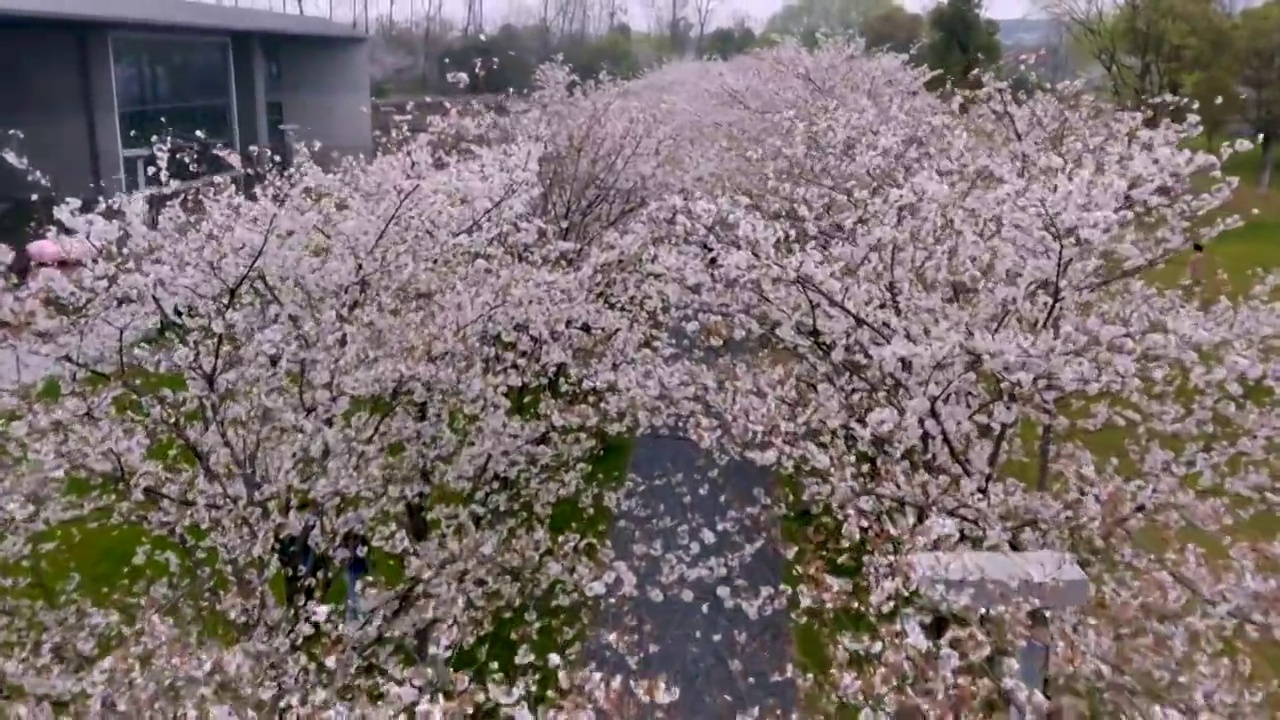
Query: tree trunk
[
  {"x": 675, "y": 26},
  {"x": 428, "y": 61},
  {"x": 1044, "y": 455},
  {"x": 1268, "y": 161}
]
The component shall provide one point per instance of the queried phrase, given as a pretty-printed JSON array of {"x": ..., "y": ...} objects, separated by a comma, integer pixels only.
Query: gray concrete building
[{"x": 86, "y": 84}]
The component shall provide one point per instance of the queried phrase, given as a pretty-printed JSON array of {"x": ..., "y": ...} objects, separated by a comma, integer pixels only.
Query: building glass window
[
  {"x": 275, "y": 75},
  {"x": 275, "y": 126},
  {"x": 176, "y": 88},
  {"x": 274, "y": 87}
]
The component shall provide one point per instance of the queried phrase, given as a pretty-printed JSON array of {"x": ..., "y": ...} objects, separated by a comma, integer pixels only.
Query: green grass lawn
[
  {"x": 1240, "y": 255},
  {"x": 1247, "y": 250}
]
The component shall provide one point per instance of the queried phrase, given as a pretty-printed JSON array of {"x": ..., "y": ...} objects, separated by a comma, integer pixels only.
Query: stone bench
[
  {"x": 991, "y": 581},
  {"x": 988, "y": 580}
]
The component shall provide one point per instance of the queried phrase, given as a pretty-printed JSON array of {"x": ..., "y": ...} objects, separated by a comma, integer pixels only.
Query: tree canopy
[
  {"x": 895, "y": 30},
  {"x": 808, "y": 16},
  {"x": 961, "y": 42}
]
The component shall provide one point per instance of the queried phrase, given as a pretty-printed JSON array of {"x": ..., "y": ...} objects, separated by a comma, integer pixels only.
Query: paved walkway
[{"x": 695, "y": 528}]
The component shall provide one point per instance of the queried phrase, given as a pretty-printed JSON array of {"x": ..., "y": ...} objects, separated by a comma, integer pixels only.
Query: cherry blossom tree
[
  {"x": 934, "y": 320},
  {"x": 397, "y": 351},
  {"x": 954, "y": 344}
]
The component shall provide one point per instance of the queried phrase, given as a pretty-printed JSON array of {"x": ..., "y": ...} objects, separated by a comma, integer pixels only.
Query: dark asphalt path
[{"x": 692, "y": 526}]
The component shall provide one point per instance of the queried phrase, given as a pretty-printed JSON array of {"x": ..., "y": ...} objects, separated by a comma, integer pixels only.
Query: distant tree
[
  {"x": 896, "y": 30},
  {"x": 508, "y": 59},
  {"x": 960, "y": 41},
  {"x": 613, "y": 54},
  {"x": 467, "y": 55},
  {"x": 702, "y": 10},
  {"x": 669, "y": 19},
  {"x": 394, "y": 55},
  {"x": 678, "y": 41},
  {"x": 1148, "y": 49},
  {"x": 518, "y": 52},
  {"x": 725, "y": 42},
  {"x": 804, "y": 18},
  {"x": 1258, "y": 40},
  {"x": 433, "y": 29},
  {"x": 1216, "y": 92}
]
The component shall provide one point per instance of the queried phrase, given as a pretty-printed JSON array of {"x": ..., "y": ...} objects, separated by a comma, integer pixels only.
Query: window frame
[
  {"x": 278, "y": 138},
  {"x": 138, "y": 156}
]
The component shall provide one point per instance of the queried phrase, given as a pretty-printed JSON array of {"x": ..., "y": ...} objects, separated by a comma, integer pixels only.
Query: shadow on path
[{"x": 694, "y": 532}]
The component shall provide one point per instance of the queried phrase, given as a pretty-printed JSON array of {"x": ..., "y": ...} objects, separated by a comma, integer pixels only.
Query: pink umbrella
[{"x": 67, "y": 251}]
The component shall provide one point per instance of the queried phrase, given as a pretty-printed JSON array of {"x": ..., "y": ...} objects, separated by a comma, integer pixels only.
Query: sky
[{"x": 496, "y": 11}]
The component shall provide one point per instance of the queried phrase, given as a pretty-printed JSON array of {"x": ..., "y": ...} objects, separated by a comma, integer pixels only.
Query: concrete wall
[
  {"x": 325, "y": 92},
  {"x": 43, "y": 94}
]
